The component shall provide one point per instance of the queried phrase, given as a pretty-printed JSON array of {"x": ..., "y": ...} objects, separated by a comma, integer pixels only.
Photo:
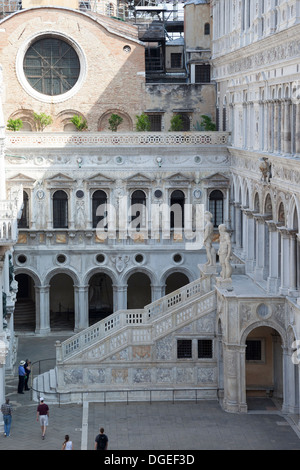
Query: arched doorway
[
  {"x": 100, "y": 297},
  {"x": 264, "y": 365},
  {"x": 138, "y": 291},
  {"x": 24, "y": 313},
  {"x": 61, "y": 302},
  {"x": 174, "y": 281}
]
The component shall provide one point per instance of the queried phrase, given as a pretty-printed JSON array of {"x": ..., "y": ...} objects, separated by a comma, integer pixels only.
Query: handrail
[
  {"x": 83, "y": 394},
  {"x": 123, "y": 318}
]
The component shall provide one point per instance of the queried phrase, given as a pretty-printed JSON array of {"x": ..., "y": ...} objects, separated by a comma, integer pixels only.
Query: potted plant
[
  {"x": 176, "y": 123},
  {"x": 42, "y": 120},
  {"x": 14, "y": 124},
  {"x": 207, "y": 123},
  {"x": 114, "y": 121},
  {"x": 79, "y": 122},
  {"x": 143, "y": 123}
]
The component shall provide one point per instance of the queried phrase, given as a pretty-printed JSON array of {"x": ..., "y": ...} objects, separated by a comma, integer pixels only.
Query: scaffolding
[{"x": 7, "y": 7}]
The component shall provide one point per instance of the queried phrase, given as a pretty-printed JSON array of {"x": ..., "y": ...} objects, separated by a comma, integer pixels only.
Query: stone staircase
[
  {"x": 24, "y": 315},
  {"x": 125, "y": 350}
]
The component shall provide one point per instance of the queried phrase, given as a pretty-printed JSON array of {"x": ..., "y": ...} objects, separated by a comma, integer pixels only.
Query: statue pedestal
[
  {"x": 223, "y": 283},
  {"x": 208, "y": 273},
  {"x": 208, "y": 269}
]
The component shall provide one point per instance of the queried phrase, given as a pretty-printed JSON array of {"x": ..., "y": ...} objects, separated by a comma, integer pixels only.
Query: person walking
[
  {"x": 43, "y": 416},
  {"x": 101, "y": 440},
  {"x": 27, "y": 367},
  {"x": 6, "y": 410},
  {"x": 67, "y": 444},
  {"x": 22, "y": 374}
]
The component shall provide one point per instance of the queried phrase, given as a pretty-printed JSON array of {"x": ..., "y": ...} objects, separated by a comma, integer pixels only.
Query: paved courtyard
[{"x": 160, "y": 426}]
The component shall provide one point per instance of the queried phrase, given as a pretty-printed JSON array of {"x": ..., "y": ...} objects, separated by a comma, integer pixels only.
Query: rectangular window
[
  {"x": 176, "y": 60},
  {"x": 60, "y": 213},
  {"x": 253, "y": 350},
  {"x": 202, "y": 74},
  {"x": 205, "y": 349},
  {"x": 155, "y": 122},
  {"x": 184, "y": 348}
]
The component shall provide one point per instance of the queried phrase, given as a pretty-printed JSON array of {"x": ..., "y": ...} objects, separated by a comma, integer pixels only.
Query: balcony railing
[{"x": 114, "y": 139}]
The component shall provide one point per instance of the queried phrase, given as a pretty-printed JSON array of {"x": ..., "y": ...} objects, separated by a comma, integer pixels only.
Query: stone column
[
  {"x": 238, "y": 227},
  {"x": 156, "y": 292},
  {"x": 260, "y": 247},
  {"x": 297, "y": 130},
  {"x": 273, "y": 280},
  {"x": 234, "y": 379},
  {"x": 285, "y": 256},
  {"x": 81, "y": 305},
  {"x": 120, "y": 297},
  {"x": 249, "y": 241},
  {"x": 270, "y": 126},
  {"x": 42, "y": 302},
  {"x": 276, "y": 126},
  {"x": 293, "y": 292},
  {"x": 286, "y": 134}
]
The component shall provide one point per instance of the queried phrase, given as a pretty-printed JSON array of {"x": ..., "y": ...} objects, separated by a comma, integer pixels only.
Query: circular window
[
  {"x": 61, "y": 259},
  {"x": 127, "y": 49},
  {"x": 158, "y": 193},
  {"x": 22, "y": 259},
  {"x": 51, "y": 66},
  {"x": 177, "y": 258},
  {"x": 100, "y": 258},
  {"x": 139, "y": 258}
]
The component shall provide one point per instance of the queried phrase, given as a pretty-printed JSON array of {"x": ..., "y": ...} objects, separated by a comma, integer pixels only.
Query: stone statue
[
  {"x": 208, "y": 237},
  {"x": 225, "y": 252}
]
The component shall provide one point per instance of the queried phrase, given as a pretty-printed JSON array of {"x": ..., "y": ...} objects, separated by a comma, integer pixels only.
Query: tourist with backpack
[{"x": 101, "y": 441}]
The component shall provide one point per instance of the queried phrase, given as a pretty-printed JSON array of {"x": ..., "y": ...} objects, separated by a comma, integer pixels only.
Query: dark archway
[
  {"x": 61, "y": 302},
  {"x": 24, "y": 313},
  {"x": 174, "y": 281},
  {"x": 138, "y": 291},
  {"x": 100, "y": 297}
]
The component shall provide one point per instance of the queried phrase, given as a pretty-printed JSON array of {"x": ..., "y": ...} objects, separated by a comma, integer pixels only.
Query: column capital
[
  {"x": 262, "y": 217},
  {"x": 273, "y": 226}
]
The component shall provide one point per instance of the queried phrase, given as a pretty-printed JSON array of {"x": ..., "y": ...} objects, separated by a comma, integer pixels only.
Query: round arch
[
  {"x": 126, "y": 124},
  {"x": 61, "y": 301},
  {"x": 173, "y": 270},
  {"x": 25, "y": 306},
  {"x": 138, "y": 290},
  {"x": 62, "y": 270}
]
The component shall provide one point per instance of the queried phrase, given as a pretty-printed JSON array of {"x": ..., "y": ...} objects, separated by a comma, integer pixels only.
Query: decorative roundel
[
  {"x": 100, "y": 258},
  {"x": 177, "y": 258},
  {"x": 22, "y": 259},
  {"x": 139, "y": 258},
  {"x": 158, "y": 193},
  {"x": 79, "y": 194},
  {"x": 61, "y": 259},
  {"x": 262, "y": 310}
]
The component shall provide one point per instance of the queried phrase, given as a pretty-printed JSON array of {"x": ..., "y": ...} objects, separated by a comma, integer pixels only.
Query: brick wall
[{"x": 114, "y": 80}]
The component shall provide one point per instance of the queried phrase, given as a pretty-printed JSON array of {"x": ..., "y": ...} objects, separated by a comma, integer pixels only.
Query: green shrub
[
  {"x": 42, "y": 120},
  {"x": 142, "y": 123},
  {"x": 176, "y": 123},
  {"x": 207, "y": 123},
  {"x": 114, "y": 121},
  {"x": 14, "y": 124},
  {"x": 79, "y": 122}
]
